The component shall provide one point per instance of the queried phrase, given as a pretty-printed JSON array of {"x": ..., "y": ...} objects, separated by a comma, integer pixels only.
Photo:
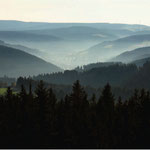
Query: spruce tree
[{"x": 106, "y": 120}]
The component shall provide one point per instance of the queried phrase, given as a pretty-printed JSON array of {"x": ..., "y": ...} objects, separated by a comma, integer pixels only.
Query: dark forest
[{"x": 38, "y": 120}]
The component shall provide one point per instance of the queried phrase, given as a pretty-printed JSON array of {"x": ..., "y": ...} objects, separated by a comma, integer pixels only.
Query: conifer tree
[
  {"x": 106, "y": 114},
  {"x": 41, "y": 98}
]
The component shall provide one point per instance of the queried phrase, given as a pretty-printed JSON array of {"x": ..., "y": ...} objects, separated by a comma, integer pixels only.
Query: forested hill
[
  {"x": 130, "y": 56},
  {"x": 118, "y": 75},
  {"x": 14, "y": 63},
  {"x": 39, "y": 120},
  {"x": 140, "y": 62},
  {"x": 95, "y": 65}
]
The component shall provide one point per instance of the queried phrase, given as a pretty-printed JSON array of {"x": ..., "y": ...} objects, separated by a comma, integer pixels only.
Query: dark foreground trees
[{"x": 39, "y": 120}]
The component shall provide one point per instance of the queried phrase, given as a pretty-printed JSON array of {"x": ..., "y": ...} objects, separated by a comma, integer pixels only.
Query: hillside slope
[
  {"x": 78, "y": 33},
  {"x": 141, "y": 62},
  {"x": 18, "y": 36},
  {"x": 133, "y": 55},
  {"x": 106, "y": 50},
  {"x": 15, "y": 63}
]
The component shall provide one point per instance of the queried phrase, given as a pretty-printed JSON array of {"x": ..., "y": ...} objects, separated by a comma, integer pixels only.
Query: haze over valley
[
  {"x": 74, "y": 74},
  {"x": 69, "y": 45}
]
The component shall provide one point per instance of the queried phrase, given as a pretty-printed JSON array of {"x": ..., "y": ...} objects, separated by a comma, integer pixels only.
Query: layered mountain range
[{"x": 31, "y": 48}]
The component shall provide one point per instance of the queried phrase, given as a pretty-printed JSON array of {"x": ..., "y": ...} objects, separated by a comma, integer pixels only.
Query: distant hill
[
  {"x": 95, "y": 65},
  {"x": 20, "y": 25},
  {"x": 23, "y": 48},
  {"x": 133, "y": 55},
  {"x": 127, "y": 76},
  {"x": 71, "y": 44},
  {"x": 140, "y": 62},
  {"x": 134, "y": 39},
  {"x": 17, "y": 36},
  {"x": 142, "y": 78},
  {"x": 14, "y": 63},
  {"x": 115, "y": 74},
  {"x": 121, "y": 44},
  {"x": 141, "y": 32},
  {"x": 78, "y": 33},
  {"x": 109, "y": 49}
]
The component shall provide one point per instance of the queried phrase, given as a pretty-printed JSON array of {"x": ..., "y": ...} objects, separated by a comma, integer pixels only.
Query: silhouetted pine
[
  {"x": 40, "y": 120},
  {"x": 106, "y": 118}
]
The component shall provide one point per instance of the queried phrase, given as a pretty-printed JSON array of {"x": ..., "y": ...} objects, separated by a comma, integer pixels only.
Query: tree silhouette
[
  {"x": 106, "y": 114},
  {"x": 40, "y": 120}
]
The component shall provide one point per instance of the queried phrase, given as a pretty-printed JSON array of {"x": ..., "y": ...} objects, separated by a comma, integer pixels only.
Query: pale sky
[{"x": 113, "y": 11}]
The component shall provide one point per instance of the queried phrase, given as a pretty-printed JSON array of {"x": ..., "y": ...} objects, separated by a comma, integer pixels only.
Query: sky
[{"x": 113, "y": 11}]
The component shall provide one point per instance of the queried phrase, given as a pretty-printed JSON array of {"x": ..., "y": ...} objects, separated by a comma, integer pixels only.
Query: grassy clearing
[{"x": 3, "y": 91}]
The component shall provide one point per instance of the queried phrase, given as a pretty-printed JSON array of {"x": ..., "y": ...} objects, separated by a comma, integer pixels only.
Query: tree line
[
  {"x": 39, "y": 120},
  {"x": 115, "y": 74}
]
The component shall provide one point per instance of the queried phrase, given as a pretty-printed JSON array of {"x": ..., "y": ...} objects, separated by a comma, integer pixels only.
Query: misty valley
[{"x": 74, "y": 85}]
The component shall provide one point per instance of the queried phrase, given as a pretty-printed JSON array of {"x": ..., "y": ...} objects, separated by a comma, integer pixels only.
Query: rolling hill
[
  {"x": 134, "y": 39},
  {"x": 78, "y": 33},
  {"x": 17, "y": 36},
  {"x": 115, "y": 74},
  {"x": 23, "y": 48},
  {"x": 71, "y": 44},
  {"x": 140, "y": 62},
  {"x": 109, "y": 49},
  {"x": 15, "y": 25},
  {"x": 95, "y": 65},
  {"x": 133, "y": 55},
  {"x": 14, "y": 63}
]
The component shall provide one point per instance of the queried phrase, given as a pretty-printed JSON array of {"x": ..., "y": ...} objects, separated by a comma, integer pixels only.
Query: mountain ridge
[{"x": 14, "y": 62}]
